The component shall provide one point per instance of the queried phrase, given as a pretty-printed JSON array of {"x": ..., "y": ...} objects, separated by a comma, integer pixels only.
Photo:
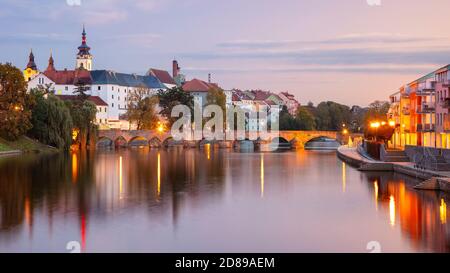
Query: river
[{"x": 212, "y": 200}]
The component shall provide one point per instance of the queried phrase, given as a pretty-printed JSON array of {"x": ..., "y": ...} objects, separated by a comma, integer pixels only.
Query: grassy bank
[{"x": 24, "y": 144}]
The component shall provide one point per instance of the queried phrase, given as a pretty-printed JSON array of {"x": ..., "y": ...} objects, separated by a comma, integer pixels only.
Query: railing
[
  {"x": 426, "y": 107},
  {"x": 426, "y": 127},
  {"x": 425, "y": 92},
  {"x": 425, "y": 160}
]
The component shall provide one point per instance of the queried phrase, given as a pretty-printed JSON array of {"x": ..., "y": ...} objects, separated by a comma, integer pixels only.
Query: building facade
[
  {"x": 420, "y": 111},
  {"x": 111, "y": 88}
]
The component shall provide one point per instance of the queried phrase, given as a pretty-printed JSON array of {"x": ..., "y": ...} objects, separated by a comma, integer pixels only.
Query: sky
[{"x": 341, "y": 50}]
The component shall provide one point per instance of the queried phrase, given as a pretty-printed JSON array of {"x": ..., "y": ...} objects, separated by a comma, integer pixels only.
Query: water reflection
[
  {"x": 262, "y": 175},
  {"x": 212, "y": 200},
  {"x": 420, "y": 214}
]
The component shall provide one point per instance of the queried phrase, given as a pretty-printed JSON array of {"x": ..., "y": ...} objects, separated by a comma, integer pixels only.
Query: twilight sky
[{"x": 341, "y": 50}]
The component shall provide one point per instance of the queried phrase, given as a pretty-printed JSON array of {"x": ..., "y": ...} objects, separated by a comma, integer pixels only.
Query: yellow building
[
  {"x": 400, "y": 113},
  {"x": 31, "y": 70}
]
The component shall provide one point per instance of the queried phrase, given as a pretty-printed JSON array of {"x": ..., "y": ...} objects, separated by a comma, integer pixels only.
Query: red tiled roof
[
  {"x": 95, "y": 99},
  {"x": 197, "y": 85},
  {"x": 235, "y": 97},
  {"x": 69, "y": 77},
  {"x": 261, "y": 95},
  {"x": 162, "y": 75}
]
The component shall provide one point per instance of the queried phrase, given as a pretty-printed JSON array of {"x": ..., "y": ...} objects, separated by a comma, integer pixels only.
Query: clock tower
[{"x": 84, "y": 57}]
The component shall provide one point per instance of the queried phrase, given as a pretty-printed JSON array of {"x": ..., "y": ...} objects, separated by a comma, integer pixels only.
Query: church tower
[
  {"x": 84, "y": 58},
  {"x": 31, "y": 70}
]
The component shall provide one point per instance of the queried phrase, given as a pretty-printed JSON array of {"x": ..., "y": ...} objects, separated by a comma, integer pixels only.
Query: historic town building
[
  {"x": 110, "y": 90},
  {"x": 84, "y": 57},
  {"x": 31, "y": 70}
]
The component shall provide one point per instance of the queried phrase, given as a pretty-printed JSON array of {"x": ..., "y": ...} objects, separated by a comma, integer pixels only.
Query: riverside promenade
[{"x": 363, "y": 162}]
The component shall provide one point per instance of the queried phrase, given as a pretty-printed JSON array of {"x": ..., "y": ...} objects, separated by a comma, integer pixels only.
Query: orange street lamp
[
  {"x": 392, "y": 123},
  {"x": 161, "y": 128},
  {"x": 375, "y": 125},
  {"x": 345, "y": 131}
]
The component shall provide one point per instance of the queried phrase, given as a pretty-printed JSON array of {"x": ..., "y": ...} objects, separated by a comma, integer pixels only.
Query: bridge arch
[
  {"x": 104, "y": 141},
  {"x": 120, "y": 141},
  {"x": 133, "y": 140},
  {"x": 155, "y": 142}
]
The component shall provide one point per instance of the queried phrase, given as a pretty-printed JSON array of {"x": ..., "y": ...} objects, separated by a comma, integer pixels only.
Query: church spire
[
  {"x": 51, "y": 63},
  {"x": 84, "y": 57},
  {"x": 31, "y": 64},
  {"x": 83, "y": 49}
]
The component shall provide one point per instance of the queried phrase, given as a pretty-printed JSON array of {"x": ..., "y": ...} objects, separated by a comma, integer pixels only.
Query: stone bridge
[{"x": 157, "y": 139}]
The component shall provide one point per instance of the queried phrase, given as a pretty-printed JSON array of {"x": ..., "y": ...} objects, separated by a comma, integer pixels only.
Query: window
[
  {"x": 66, "y": 88},
  {"x": 99, "y": 88},
  {"x": 112, "y": 104},
  {"x": 118, "y": 98},
  {"x": 112, "y": 88},
  {"x": 112, "y": 96}
]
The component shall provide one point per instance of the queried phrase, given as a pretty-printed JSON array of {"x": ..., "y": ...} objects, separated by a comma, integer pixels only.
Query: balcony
[
  {"x": 447, "y": 126},
  {"x": 426, "y": 127},
  {"x": 445, "y": 103},
  {"x": 426, "y": 108},
  {"x": 425, "y": 92}
]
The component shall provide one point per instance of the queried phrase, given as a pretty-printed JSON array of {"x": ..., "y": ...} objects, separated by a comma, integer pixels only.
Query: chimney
[
  {"x": 209, "y": 77},
  {"x": 175, "y": 69}
]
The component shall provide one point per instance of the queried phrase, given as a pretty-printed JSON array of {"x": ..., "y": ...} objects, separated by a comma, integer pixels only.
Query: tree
[
  {"x": 287, "y": 121},
  {"x": 51, "y": 120},
  {"x": 377, "y": 111},
  {"x": 331, "y": 116},
  {"x": 83, "y": 115},
  {"x": 142, "y": 109},
  {"x": 172, "y": 97},
  {"x": 216, "y": 96},
  {"x": 305, "y": 119},
  {"x": 15, "y": 104},
  {"x": 81, "y": 91}
]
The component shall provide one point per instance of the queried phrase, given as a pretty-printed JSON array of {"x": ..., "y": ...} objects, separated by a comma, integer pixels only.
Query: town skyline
[{"x": 313, "y": 63}]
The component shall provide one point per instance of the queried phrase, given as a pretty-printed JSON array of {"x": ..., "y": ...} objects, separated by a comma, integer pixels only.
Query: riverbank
[
  {"x": 23, "y": 145},
  {"x": 365, "y": 163}
]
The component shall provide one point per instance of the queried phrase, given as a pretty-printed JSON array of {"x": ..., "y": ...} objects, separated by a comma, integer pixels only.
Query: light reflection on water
[{"x": 212, "y": 200}]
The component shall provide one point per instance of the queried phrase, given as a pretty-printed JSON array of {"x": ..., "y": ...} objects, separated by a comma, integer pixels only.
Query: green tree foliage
[
  {"x": 331, "y": 116},
  {"x": 83, "y": 116},
  {"x": 15, "y": 104},
  {"x": 287, "y": 121},
  {"x": 377, "y": 111},
  {"x": 81, "y": 91},
  {"x": 142, "y": 110},
  {"x": 51, "y": 119},
  {"x": 172, "y": 97},
  {"x": 216, "y": 96},
  {"x": 305, "y": 119}
]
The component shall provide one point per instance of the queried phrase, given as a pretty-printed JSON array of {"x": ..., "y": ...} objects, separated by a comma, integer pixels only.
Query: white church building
[{"x": 110, "y": 90}]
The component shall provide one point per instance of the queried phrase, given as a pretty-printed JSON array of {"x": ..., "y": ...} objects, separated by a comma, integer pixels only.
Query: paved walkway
[
  {"x": 12, "y": 152},
  {"x": 353, "y": 157}
]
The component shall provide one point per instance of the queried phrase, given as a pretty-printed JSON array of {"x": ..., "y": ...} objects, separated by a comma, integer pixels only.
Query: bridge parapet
[{"x": 297, "y": 138}]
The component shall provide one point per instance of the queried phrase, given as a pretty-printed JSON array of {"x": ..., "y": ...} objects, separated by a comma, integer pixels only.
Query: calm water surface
[{"x": 177, "y": 200}]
